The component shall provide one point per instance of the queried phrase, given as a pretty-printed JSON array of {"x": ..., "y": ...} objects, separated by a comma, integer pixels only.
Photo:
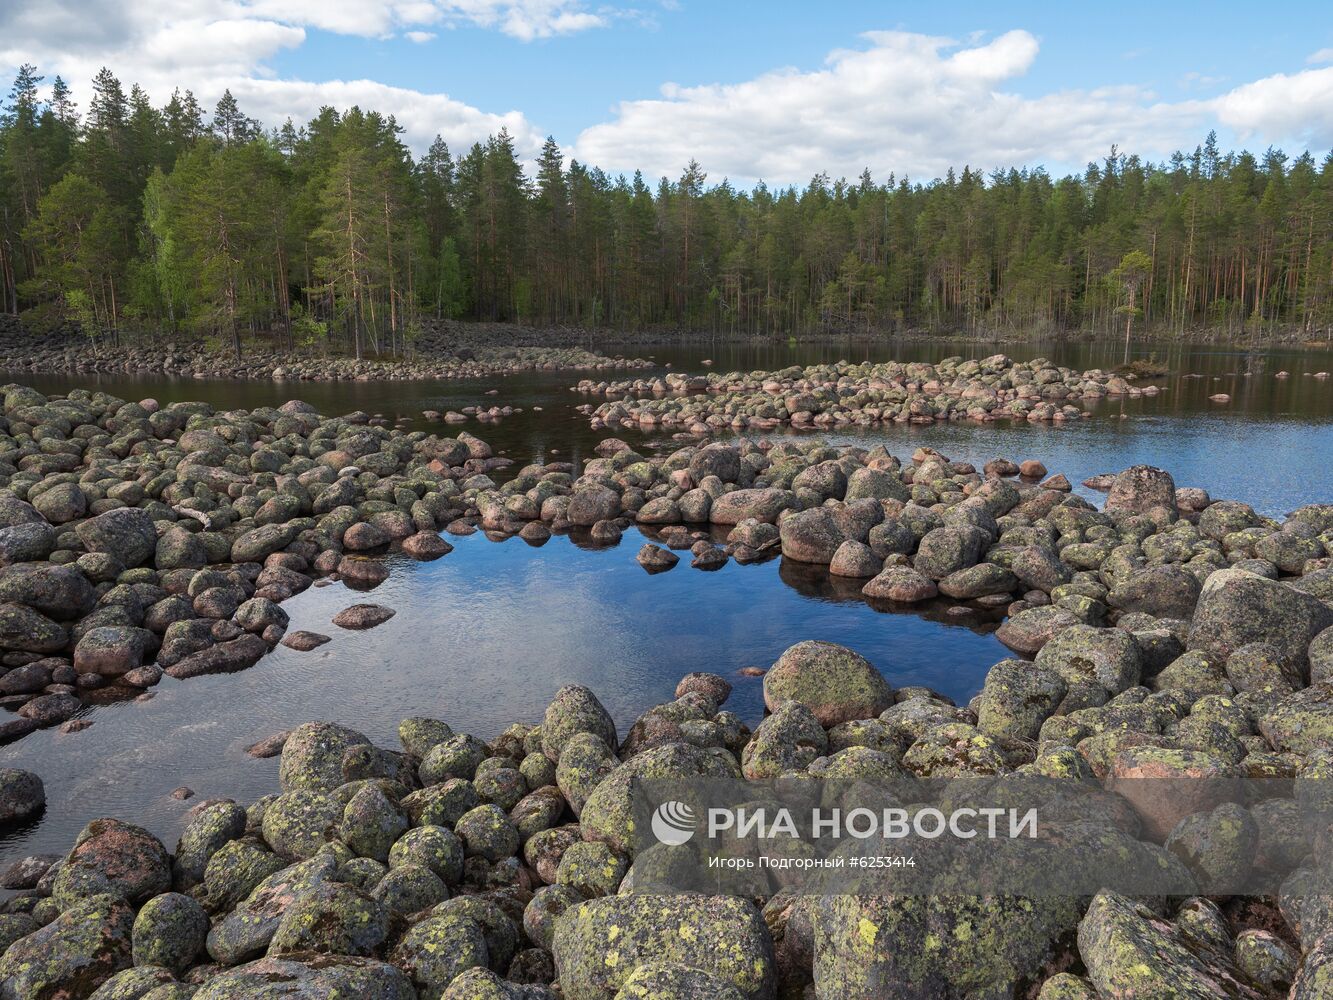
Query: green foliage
[{"x": 332, "y": 233}]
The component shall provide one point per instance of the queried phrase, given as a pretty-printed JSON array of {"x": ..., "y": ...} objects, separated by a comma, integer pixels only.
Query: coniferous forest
[{"x": 133, "y": 218}]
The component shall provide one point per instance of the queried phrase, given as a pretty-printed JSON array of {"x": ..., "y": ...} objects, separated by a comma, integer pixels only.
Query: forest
[{"x": 136, "y": 220}]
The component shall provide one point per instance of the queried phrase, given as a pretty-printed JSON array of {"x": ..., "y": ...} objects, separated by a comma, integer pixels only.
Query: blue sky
[{"x": 773, "y": 90}]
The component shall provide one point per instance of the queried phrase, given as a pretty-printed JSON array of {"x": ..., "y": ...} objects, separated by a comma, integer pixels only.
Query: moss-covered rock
[
  {"x": 1236, "y": 608},
  {"x": 170, "y": 931},
  {"x": 438, "y": 949},
  {"x": 950, "y": 947},
  {"x": 204, "y": 835},
  {"x": 133, "y": 984},
  {"x": 315, "y": 977},
  {"x": 331, "y": 919},
  {"x": 113, "y": 857},
  {"x": 71, "y": 956},
  {"x": 1017, "y": 698},
  {"x": 599, "y": 944},
  {"x": 573, "y": 710},
  {"x": 245, "y": 933},
  {"x": 662, "y": 981},
  {"x": 1132, "y": 954},
  {"x": 835, "y": 683},
  {"x": 312, "y": 756},
  {"x": 297, "y": 824}
]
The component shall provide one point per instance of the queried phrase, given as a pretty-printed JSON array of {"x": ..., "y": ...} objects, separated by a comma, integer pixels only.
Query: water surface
[{"x": 485, "y": 636}]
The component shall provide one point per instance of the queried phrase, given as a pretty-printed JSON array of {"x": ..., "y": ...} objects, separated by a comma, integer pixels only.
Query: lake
[{"x": 485, "y": 636}]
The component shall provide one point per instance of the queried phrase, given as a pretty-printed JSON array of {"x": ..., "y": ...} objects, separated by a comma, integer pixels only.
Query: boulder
[
  {"x": 599, "y": 944},
  {"x": 128, "y": 533},
  {"x": 1140, "y": 489},
  {"x": 84, "y": 946},
  {"x": 835, "y": 683},
  {"x": 1236, "y": 608},
  {"x": 1133, "y": 954}
]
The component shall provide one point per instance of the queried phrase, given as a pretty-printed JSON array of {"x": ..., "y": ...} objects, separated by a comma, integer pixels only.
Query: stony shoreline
[
  {"x": 1168, "y": 632},
  {"x": 831, "y": 396},
  {"x": 471, "y": 354}
]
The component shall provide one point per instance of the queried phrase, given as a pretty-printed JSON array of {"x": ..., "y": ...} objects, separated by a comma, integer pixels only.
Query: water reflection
[{"x": 482, "y": 638}]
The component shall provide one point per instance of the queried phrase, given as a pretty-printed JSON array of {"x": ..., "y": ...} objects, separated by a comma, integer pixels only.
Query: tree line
[{"x": 131, "y": 216}]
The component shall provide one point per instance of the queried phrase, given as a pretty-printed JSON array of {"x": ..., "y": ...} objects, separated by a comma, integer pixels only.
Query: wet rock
[
  {"x": 426, "y": 545},
  {"x": 112, "y": 650},
  {"x": 835, "y": 683},
  {"x": 363, "y": 616},
  {"x": 230, "y": 657},
  {"x": 21, "y": 796},
  {"x": 51, "y": 709},
  {"x": 304, "y": 641}
]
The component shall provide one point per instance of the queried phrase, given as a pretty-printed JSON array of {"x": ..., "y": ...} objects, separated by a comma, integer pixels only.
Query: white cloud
[
  {"x": 1320, "y": 57},
  {"x": 917, "y": 105},
  {"x": 1285, "y": 106},
  {"x": 212, "y": 45},
  {"x": 421, "y": 115},
  {"x": 909, "y": 103}
]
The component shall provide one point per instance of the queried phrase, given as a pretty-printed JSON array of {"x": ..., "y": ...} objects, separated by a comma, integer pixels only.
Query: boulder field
[
  {"x": 855, "y": 395},
  {"x": 1165, "y": 635}
]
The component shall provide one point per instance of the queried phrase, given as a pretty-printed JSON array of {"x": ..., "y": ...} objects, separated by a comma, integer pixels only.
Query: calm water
[{"x": 486, "y": 635}]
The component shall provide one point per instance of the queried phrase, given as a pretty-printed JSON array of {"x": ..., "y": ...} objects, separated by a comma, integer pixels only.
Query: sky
[{"x": 774, "y": 90}]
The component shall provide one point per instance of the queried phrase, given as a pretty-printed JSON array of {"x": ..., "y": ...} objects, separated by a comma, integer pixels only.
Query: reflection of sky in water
[{"x": 482, "y": 638}]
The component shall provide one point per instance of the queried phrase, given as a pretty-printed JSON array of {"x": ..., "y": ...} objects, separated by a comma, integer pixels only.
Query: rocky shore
[
  {"x": 856, "y": 395},
  {"x": 1167, "y": 633},
  {"x": 439, "y": 356}
]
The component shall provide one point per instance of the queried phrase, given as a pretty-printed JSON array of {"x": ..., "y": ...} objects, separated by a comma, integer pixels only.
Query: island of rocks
[
  {"x": 452, "y": 352},
  {"x": 1167, "y": 633},
  {"x": 856, "y": 395}
]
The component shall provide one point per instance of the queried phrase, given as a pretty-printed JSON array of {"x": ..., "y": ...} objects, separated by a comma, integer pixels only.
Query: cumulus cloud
[
  {"x": 213, "y": 45},
  {"x": 910, "y": 103},
  {"x": 1284, "y": 106}
]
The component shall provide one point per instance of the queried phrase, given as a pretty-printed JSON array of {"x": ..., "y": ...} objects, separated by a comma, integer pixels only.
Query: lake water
[{"x": 485, "y": 636}]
